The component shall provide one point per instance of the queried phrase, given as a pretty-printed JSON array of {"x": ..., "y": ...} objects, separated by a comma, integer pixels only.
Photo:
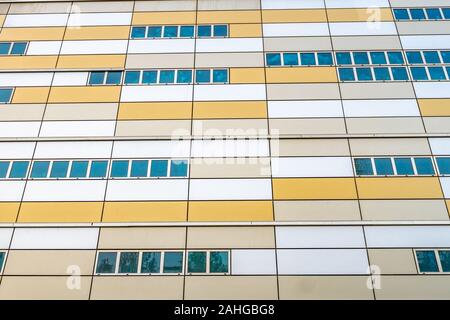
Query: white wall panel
[
  {"x": 35, "y": 20},
  {"x": 11, "y": 190},
  {"x": 381, "y": 108},
  {"x": 99, "y": 19},
  {"x": 305, "y": 109},
  {"x": 94, "y": 47},
  {"x": 362, "y": 28},
  {"x": 73, "y": 149},
  {"x": 229, "y": 45},
  {"x": 440, "y": 146},
  {"x": 16, "y": 150},
  {"x": 151, "y": 149},
  {"x": 5, "y": 237},
  {"x": 356, "y": 3},
  {"x": 230, "y": 92},
  {"x": 230, "y": 189},
  {"x": 44, "y": 48},
  {"x": 55, "y": 238},
  {"x": 161, "y": 46},
  {"x": 70, "y": 78},
  {"x": 157, "y": 93},
  {"x": 30, "y": 79},
  {"x": 295, "y": 29},
  {"x": 154, "y": 189},
  {"x": 312, "y": 167},
  {"x": 292, "y": 4},
  {"x": 426, "y": 42},
  {"x": 432, "y": 89},
  {"x": 230, "y": 148},
  {"x": 19, "y": 129},
  {"x": 65, "y": 190},
  {"x": 77, "y": 128},
  {"x": 445, "y": 182},
  {"x": 322, "y": 261},
  {"x": 253, "y": 262}
]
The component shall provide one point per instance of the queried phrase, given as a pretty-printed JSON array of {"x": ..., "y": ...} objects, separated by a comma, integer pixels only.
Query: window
[
  {"x": 218, "y": 262},
  {"x": 431, "y": 57},
  {"x": 137, "y": 32},
  {"x": 291, "y": 59},
  {"x": 417, "y": 14},
  {"x": 437, "y": 73},
  {"x": 404, "y": 166},
  {"x": 433, "y": 13},
  {"x": 446, "y": 12},
  {"x": 13, "y": 48},
  {"x": 103, "y": 77},
  {"x": 197, "y": 262},
  {"x": 128, "y": 262},
  {"x": 401, "y": 14},
  {"x": 363, "y": 167},
  {"x": 384, "y": 166},
  {"x": 40, "y": 169},
  {"x": 203, "y": 76},
  {"x": 173, "y": 262},
  {"x": 158, "y": 168},
  {"x": 378, "y": 57},
  {"x": 119, "y": 168},
  {"x": 207, "y": 262},
  {"x": 139, "y": 168},
  {"x": 184, "y": 76},
  {"x": 167, "y": 76},
  {"x": 444, "y": 258},
  {"x": 220, "y": 76},
  {"x": 186, "y": 31},
  {"x": 170, "y": 32},
  {"x": 399, "y": 73},
  {"x": 364, "y": 74},
  {"x": 59, "y": 169},
  {"x": 2, "y": 260},
  {"x": 204, "y": 31},
  {"x": 106, "y": 262},
  {"x": 220, "y": 30},
  {"x": 151, "y": 262},
  {"x": 346, "y": 74},
  {"x": 419, "y": 73},
  {"x": 360, "y": 57},
  {"x": 5, "y": 95},
  {"x": 4, "y": 166},
  {"x": 97, "y": 77},
  {"x": 98, "y": 169},
  {"x": 414, "y": 57},
  {"x": 426, "y": 260},
  {"x": 343, "y": 58},
  {"x": 114, "y": 77},
  {"x": 79, "y": 169},
  {"x": 149, "y": 77},
  {"x": 395, "y": 57},
  {"x": 19, "y": 169},
  {"x": 308, "y": 59},
  {"x": 5, "y": 47},
  {"x": 443, "y": 165},
  {"x": 178, "y": 168},
  {"x": 154, "y": 32},
  {"x": 382, "y": 73},
  {"x": 424, "y": 166},
  {"x": 132, "y": 77},
  {"x": 325, "y": 59},
  {"x": 274, "y": 59}
]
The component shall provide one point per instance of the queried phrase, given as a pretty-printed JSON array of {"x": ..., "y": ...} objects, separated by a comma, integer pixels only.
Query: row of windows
[
  {"x": 401, "y": 166},
  {"x": 78, "y": 169},
  {"x": 422, "y": 14},
  {"x": 6, "y": 95},
  {"x": 184, "y": 76},
  {"x": 373, "y": 74},
  {"x": 13, "y": 48},
  {"x": 185, "y": 31},
  {"x": 433, "y": 260},
  {"x": 429, "y": 56},
  {"x": 430, "y": 73},
  {"x": 163, "y": 262},
  {"x": 299, "y": 59}
]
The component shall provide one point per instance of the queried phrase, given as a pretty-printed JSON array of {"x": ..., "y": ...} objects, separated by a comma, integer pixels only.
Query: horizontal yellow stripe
[
  {"x": 301, "y": 15},
  {"x": 28, "y": 34},
  {"x": 247, "y": 75},
  {"x": 245, "y": 30},
  {"x": 145, "y": 211},
  {"x": 434, "y": 107},
  {"x": 314, "y": 188},
  {"x": 28, "y": 62},
  {"x": 399, "y": 188},
  {"x": 60, "y": 212},
  {"x": 230, "y": 109},
  {"x": 157, "y": 18},
  {"x": 155, "y": 110},
  {"x": 359, "y": 15},
  {"x": 234, "y": 16},
  {"x": 230, "y": 211},
  {"x": 97, "y": 33},
  {"x": 8, "y": 211},
  {"x": 301, "y": 74},
  {"x": 84, "y": 94},
  {"x": 97, "y": 61},
  {"x": 30, "y": 95}
]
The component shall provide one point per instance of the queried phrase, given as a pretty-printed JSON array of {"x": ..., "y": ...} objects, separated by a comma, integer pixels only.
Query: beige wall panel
[
  {"x": 404, "y": 210},
  {"x": 230, "y": 237},
  {"x": 297, "y": 44},
  {"x": 320, "y": 287},
  {"x": 28, "y": 34},
  {"x": 41, "y": 7},
  {"x": 385, "y": 125},
  {"x": 82, "y": 111},
  {"x": 309, "y": 147},
  {"x": 229, "y": 59},
  {"x": 437, "y": 124},
  {"x": 316, "y": 210},
  {"x": 232, "y": 16},
  {"x": 230, "y": 168},
  {"x": 228, "y": 4},
  {"x": 235, "y": 127},
  {"x": 229, "y": 287},
  {"x": 27, "y": 62},
  {"x": 303, "y": 91},
  {"x": 97, "y": 61},
  {"x": 367, "y": 43},
  {"x": 389, "y": 147},
  {"x": 163, "y": 60},
  {"x": 307, "y": 126},
  {"x": 153, "y": 128},
  {"x": 42, "y": 288},
  {"x": 4, "y": 8},
  {"x": 163, "y": 5},
  {"x": 422, "y": 27},
  {"x": 142, "y": 238},
  {"x": 49, "y": 262},
  {"x": 377, "y": 90},
  {"x": 393, "y": 261},
  {"x": 104, "y": 6},
  {"x": 137, "y": 287},
  {"x": 14, "y": 112},
  {"x": 414, "y": 287},
  {"x": 416, "y": 3},
  {"x": 97, "y": 33},
  {"x": 162, "y": 18}
]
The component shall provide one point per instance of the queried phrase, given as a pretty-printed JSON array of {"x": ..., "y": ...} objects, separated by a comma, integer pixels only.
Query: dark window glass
[
  {"x": 381, "y": 73},
  {"x": 384, "y": 166},
  {"x": 444, "y": 256},
  {"x": 204, "y": 31},
  {"x": 151, "y": 262},
  {"x": 346, "y": 74},
  {"x": 220, "y": 76},
  {"x": 414, "y": 57},
  {"x": 184, "y": 76},
  {"x": 424, "y": 166},
  {"x": 98, "y": 169},
  {"x": 19, "y": 169},
  {"x": 437, "y": 73},
  {"x": 274, "y": 59},
  {"x": 4, "y": 47},
  {"x": 186, "y": 31},
  {"x": 419, "y": 73},
  {"x": 325, "y": 59},
  {"x": 170, "y": 31},
  {"x": 132, "y": 77},
  {"x": 364, "y": 74},
  {"x": 431, "y": 57},
  {"x": 427, "y": 261},
  {"x": 433, "y": 13},
  {"x": 378, "y": 57},
  {"x": 158, "y": 168},
  {"x": 128, "y": 262},
  {"x": 4, "y": 166},
  {"x": 399, "y": 73},
  {"x": 167, "y": 76},
  {"x": 290, "y": 59},
  {"x": 395, "y": 57},
  {"x": 2, "y": 259},
  {"x": 119, "y": 168},
  {"x": 18, "y": 48},
  {"x": 5, "y": 95},
  {"x": 220, "y": 30},
  {"x": 401, "y": 14},
  {"x": 173, "y": 262},
  {"x": 360, "y": 58},
  {"x": 154, "y": 32},
  {"x": 404, "y": 166},
  {"x": 363, "y": 167},
  {"x": 114, "y": 77},
  {"x": 178, "y": 168},
  {"x": 79, "y": 169},
  {"x": 149, "y": 77},
  {"x": 446, "y": 12},
  {"x": 417, "y": 14},
  {"x": 343, "y": 58},
  {"x": 59, "y": 169},
  {"x": 139, "y": 168},
  {"x": 445, "y": 56},
  {"x": 106, "y": 262},
  {"x": 218, "y": 261},
  {"x": 308, "y": 59},
  {"x": 138, "y": 32},
  {"x": 97, "y": 77},
  {"x": 443, "y": 165},
  {"x": 197, "y": 262},
  {"x": 202, "y": 76}
]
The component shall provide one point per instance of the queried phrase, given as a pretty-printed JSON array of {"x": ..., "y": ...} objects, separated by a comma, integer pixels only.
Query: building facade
[{"x": 225, "y": 149}]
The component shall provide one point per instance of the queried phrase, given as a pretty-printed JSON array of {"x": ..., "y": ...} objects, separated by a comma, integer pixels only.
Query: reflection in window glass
[
  {"x": 167, "y": 76},
  {"x": 59, "y": 169},
  {"x": 378, "y": 57},
  {"x": 159, "y": 168},
  {"x": 128, "y": 262},
  {"x": 184, "y": 76},
  {"x": 220, "y": 76},
  {"x": 19, "y": 169},
  {"x": 154, "y": 32},
  {"x": 178, "y": 168},
  {"x": 4, "y": 166},
  {"x": 79, "y": 169},
  {"x": 308, "y": 59},
  {"x": 149, "y": 77},
  {"x": 382, "y": 73},
  {"x": 427, "y": 261},
  {"x": 443, "y": 165},
  {"x": 404, "y": 166},
  {"x": 444, "y": 257},
  {"x": 139, "y": 168},
  {"x": 197, "y": 262},
  {"x": 424, "y": 165},
  {"x": 384, "y": 166},
  {"x": 363, "y": 166},
  {"x": 173, "y": 262},
  {"x": 202, "y": 76},
  {"x": 170, "y": 31},
  {"x": 325, "y": 59},
  {"x": 114, "y": 77},
  {"x": 274, "y": 59},
  {"x": 98, "y": 169},
  {"x": 106, "y": 262},
  {"x": 138, "y": 32},
  {"x": 290, "y": 59},
  {"x": 119, "y": 168},
  {"x": 151, "y": 262},
  {"x": 218, "y": 262}
]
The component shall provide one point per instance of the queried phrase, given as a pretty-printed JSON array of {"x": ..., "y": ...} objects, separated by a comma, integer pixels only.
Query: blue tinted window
[
  {"x": 290, "y": 59},
  {"x": 114, "y": 77},
  {"x": 274, "y": 59},
  {"x": 128, "y": 262},
  {"x": 119, "y": 168},
  {"x": 399, "y": 73},
  {"x": 404, "y": 166},
  {"x": 79, "y": 169},
  {"x": 167, "y": 76},
  {"x": 149, "y": 77},
  {"x": 414, "y": 57},
  {"x": 19, "y": 169},
  {"x": 170, "y": 31},
  {"x": 444, "y": 256},
  {"x": 106, "y": 262},
  {"x": 184, "y": 76},
  {"x": 98, "y": 169},
  {"x": 97, "y": 77},
  {"x": 343, "y": 58},
  {"x": 178, "y": 168},
  {"x": 154, "y": 32},
  {"x": 4, "y": 47},
  {"x": 419, "y": 73},
  {"x": 446, "y": 12},
  {"x": 18, "y": 48},
  {"x": 325, "y": 59},
  {"x": 132, "y": 77},
  {"x": 59, "y": 169},
  {"x": 417, "y": 14},
  {"x": 218, "y": 261},
  {"x": 2, "y": 259},
  {"x": 395, "y": 57},
  {"x": 5, "y": 95},
  {"x": 433, "y": 13},
  {"x": 220, "y": 30},
  {"x": 139, "y": 168},
  {"x": 202, "y": 76},
  {"x": 443, "y": 165},
  {"x": 151, "y": 262},
  {"x": 401, "y": 14},
  {"x": 4, "y": 166},
  {"x": 378, "y": 57},
  {"x": 40, "y": 169},
  {"x": 204, "y": 31},
  {"x": 197, "y": 262},
  {"x": 308, "y": 59},
  {"x": 437, "y": 73},
  {"x": 138, "y": 32},
  {"x": 381, "y": 73},
  {"x": 186, "y": 31},
  {"x": 384, "y": 166},
  {"x": 364, "y": 74},
  {"x": 431, "y": 57},
  {"x": 448, "y": 71},
  {"x": 424, "y": 165},
  {"x": 173, "y": 262},
  {"x": 445, "y": 56},
  {"x": 220, "y": 76},
  {"x": 346, "y": 74},
  {"x": 427, "y": 261},
  {"x": 360, "y": 58},
  {"x": 363, "y": 166},
  {"x": 159, "y": 168}
]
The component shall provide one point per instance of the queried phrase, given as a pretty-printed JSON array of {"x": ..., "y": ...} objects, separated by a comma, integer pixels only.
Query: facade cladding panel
[{"x": 215, "y": 149}]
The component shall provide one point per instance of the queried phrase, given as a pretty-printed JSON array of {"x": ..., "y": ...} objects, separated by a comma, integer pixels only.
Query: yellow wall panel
[
  {"x": 150, "y": 18},
  {"x": 28, "y": 62},
  {"x": 301, "y": 74},
  {"x": 60, "y": 212},
  {"x": 27, "y": 34},
  {"x": 98, "y": 61},
  {"x": 145, "y": 211},
  {"x": 399, "y": 188},
  {"x": 356, "y": 15},
  {"x": 230, "y": 109},
  {"x": 308, "y": 15},
  {"x": 230, "y": 211},
  {"x": 85, "y": 94},
  {"x": 434, "y": 107},
  {"x": 314, "y": 188},
  {"x": 155, "y": 110},
  {"x": 247, "y": 75},
  {"x": 97, "y": 33},
  {"x": 245, "y": 30},
  {"x": 30, "y": 95},
  {"x": 234, "y": 16},
  {"x": 2, "y": 19},
  {"x": 8, "y": 211}
]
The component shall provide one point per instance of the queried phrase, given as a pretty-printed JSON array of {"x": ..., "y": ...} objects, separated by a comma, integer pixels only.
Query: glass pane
[
  {"x": 346, "y": 74},
  {"x": 151, "y": 262},
  {"x": 187, "y": 31},
  {"x": 290, "y": 59},
  {"x": 378, "y": 57},
  {"x": 79, "y": 169},
  {"x": 433, "y": 13},
  {"x": 5, "y": 95},
  {"x": 158, "y": 168},
  {"x": 427, "y": 261},
  {"x": 59, "y": 169},
  {"x": 173, "y": 262},
  {"x": 220, "y": 30},
  {"x": 184, "y": 76},
  {"x": 443, "y": 165},
  {"x": 4, "y": 166},
  {"x": 381, "y": 73},
  {"x": 445, "y": 56},
  {"x": 178, "y": 168},
  {"x": 114, "y": 77},
  {"x": 204, "y": 31},
  {"x": 417, "y": 14},
  {"x": 2, "y": 259},
  {"x": 274, "y": 59},
  {"x": 19, "y": 169},
  {"x": 170, "y": 31},
  {"x": 363, "y": 166},
  {"x": 218, "y": 261},
  {"x": 424, "y": 165},
  {"x": 419, "y": 73},
  {"x": 18, "y": 48},
  {"x": 128, "y": 262},
  {"x": 395, "y": 57},
  {"x": 414, "y": 57},
  {"x": 384, "y": 166},
  {"x": 343, "y": 58},
  {"x": 437, "y": 73},
  {"x": 404, "y": 166},
  {"x": 399, "y": 73},
  {"x": 149, "y": 77},
  {"x": 154, "y": 32},
  {"x": 138, "y": 32},
  {"x": 325, "y": 59},
  {"x": 197, "y": 262},
  {"x": 98, "y": 169},
  {"x": 446, "y": 12},
  {"x": 431, "y": 57},
  {"x": 167, "y": 76},
  {"x": 4, "y": 47},
  {"x": 202, "y": 76},
  {"x": 97, "y": 77},
  {"x": 119, "y": 168},
  {"x": 308, "y": 59},
  {"x": 106, "y": 262},
  {"x": 139, "y": 168},
  {"x": 132, "y": 77},
  {"x": 361, "y": 58},
  {"x": 220, "y": 76},
  {"x": 364, "y": 74},
  {"x": 401, "y": 14},
  {"x": 444, "y": 256}
]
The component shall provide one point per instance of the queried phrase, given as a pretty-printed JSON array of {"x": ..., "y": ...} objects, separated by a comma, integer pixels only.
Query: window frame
[
  {"x": 437, "y": 257},
  {"x": 208, "y": 262}
]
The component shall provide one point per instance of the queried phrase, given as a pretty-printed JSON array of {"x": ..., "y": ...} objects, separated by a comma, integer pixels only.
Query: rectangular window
[
  {"x": 382, "y": 73},
  {"x": 431, "y": 57},
  {"x": 114, "y": 77},
  {"x": 364, "y": 74},
  {"x": 40, "y": 169},
  {"x": 204, "y": 31},
  {"x": 119, "y": 169},
  {"x": 444, "y": 258},
  {"x": 154, "y": 32},
  {"x": 401, "y": 14},
  {"x": 149, "y": 77},
  {"x": 419, "y": 73},
  {"x": 178, "y": 168},
  {"x": 202, "y": 76},
  {"x": 128, "y": 262},
  {"x": 139, "y": 168},
  {"x": 384, "y": 166},
  {"x": 97, "y": 77},
  {"x": 6, "y": 95},
  {"x": 132, "y": 77},
  {"x": 363, "y": 167},
  {"x": 184, "y": 76},
  {"x": 5, "y": 47},
  {"x": 399, "y": 73},
  {"x": 361, "y": 57},
  {"x": 404, "y": 166},
  {"x": 417, "y": 14},
  {"x": 437, "y": 73},
  {"x": 325, "y": 58},
  {"x": 106, "y": 262},
  {"x": 220, "y": 30},
  {"x": 220, "y": 76},
  {"x": 138, "y": 32},
  {"x": 19, "y": 169},
  {"x": 274, "y": 59},
  {"x": 414, "y": 57},
  {"x": 170, "y": 32},
  {"x": 79, "y": 169},
  {"x": 159, "y": 168},
  {"x": 186, "y": 31},
  {"x": 2, "y": 260},
  {"x": 4, "y": 167},
  {"x": 59, "y": 169},
  {"x": 308, "y": 59},
  {"x": 346, "y": 74},
  {"x": 167, "y": 76},
  {"x": 151, "y": 262},
  {"x": 18, "y": 48},
  {"x": 290, "y": 59},
  {"x": 433, "y": 13},
  {"x": 443, "y": 165},
  {"x": 378, "y": 57},
  {"x": 197, "y": 262},
  {"x": 395, "y": 57},
  {"x": 426, "y": 260},
  {"x": 173, "y": 262},
  {"x": 218, "y": 262},
  {"x": 424, "y": 166},
  {"x": 98, "y": 169},
  {"x": 343, "y": 58}
]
